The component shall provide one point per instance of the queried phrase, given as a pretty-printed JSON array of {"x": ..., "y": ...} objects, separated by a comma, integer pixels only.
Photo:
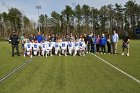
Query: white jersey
[
  {"x": 64, "y": 45},
  {"x": 28, "y": 46},
  {"x": 82, "y": 45},
  {"x": 49, "y": 45},
  {"x": 76, "y": 46},
  {"x": 43, "y": 46},
  {"x": 57, "y": 45},
  {"x": 36, "y": 46},
  {"x": 79, "y": 40},
  {"x": 53, "y": 44},
  {"x": 70, "y": 45}
]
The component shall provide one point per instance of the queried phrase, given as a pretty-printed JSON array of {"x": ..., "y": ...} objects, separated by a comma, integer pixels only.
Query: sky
[{"x": 28, "y": 7}]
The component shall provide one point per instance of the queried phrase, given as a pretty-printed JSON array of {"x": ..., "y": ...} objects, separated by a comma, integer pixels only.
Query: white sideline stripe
[
  {"x": 16, "y": 69},
  {"x": 118, "y": 69}
]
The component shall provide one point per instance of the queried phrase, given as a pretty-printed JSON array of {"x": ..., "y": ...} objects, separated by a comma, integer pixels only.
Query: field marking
[
  {"x": 16, "y": 69},
  {"x": 138, "y": 81}
]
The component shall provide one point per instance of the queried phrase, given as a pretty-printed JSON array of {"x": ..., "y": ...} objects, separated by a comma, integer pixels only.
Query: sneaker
[
  {"x": 51, "y": 55},
  {"x": 24, "y": 55},
  {"x": 127, "y": 54},
  {"x": 122, "y": 53},
  {"x": 31, "y": 56}
]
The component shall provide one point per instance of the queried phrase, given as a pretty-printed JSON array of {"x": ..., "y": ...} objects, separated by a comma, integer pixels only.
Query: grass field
[{"x": 70, "y": 74}]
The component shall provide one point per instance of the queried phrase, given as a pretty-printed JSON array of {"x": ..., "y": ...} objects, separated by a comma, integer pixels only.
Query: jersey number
[{"x": 35, "y": 46}]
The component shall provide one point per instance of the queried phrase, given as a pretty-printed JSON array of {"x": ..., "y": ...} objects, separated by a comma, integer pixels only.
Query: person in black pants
[
  {"x": 90, "y": 42},
  {"x": 103, "y": 42},
  {"x": 98, "y": 44},
  {"x": 109, "y": 43},
  {"x": 14, "y": 42},
  {"x": 86, "y": 42}
]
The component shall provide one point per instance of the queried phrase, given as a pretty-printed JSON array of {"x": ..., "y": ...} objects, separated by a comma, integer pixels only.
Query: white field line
[
  {"x": 131, "y": 77},
  {"x": 16, "y": 69}
]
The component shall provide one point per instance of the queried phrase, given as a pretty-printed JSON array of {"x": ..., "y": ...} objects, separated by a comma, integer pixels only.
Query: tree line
[{"x": 81, "y": 19}]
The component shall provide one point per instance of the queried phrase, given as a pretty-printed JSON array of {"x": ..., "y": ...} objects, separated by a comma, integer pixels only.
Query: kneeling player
[
  {"x": 49, "y": 47},
  {"x": 28, "y": 49},
  {"x": 76, "y": 47},
  {"x": 64, "y": 48},
  {"x": 57, "y": 48},
  {"x": 82, "y": 47},
  {"x": 43, "y": 48},
  {"x": 71, "y": 47},
  {"x": 36, "y": 48}
]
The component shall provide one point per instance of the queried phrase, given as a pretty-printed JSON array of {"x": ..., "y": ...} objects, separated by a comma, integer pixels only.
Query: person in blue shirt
[
  {"x": 103, "y": 43},
  {"x": 94, "y": 39},
  {"x": 114, "y": 41},
  {"x": 39, "y": 37}
]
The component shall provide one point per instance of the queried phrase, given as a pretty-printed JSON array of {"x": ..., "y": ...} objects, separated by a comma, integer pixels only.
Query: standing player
[
  {"x": 71, "y": 47},
  {"x": 76, "y": 47},
  {"x": 36, "y": 50},
  {"x": 49, "y": 47},
  {"x": 82, "y": 47},
  {"x": 28, "y": 49},
  {"x": 64, "y": 47},
  {"x": 57, "y": 48}
]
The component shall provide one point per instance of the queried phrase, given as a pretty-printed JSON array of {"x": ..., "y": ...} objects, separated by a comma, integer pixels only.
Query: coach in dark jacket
[{"x": 14, "y": 42}]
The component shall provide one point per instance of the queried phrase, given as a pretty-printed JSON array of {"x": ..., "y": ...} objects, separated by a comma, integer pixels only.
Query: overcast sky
[{"x": 47, "y": 6}]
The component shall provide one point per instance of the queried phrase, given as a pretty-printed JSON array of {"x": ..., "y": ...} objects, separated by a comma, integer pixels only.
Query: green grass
[{"x": 71, "y": 74}]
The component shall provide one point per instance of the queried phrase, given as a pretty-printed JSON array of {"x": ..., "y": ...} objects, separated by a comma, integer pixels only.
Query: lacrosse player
[
  {"x": 28, "y": 49},
  {"x": 43, "y": 48},
  {"x": 57, "y": 48},
  {"x": 71, "y": 47},
  {"x": 76, "y": 47},
  {"x": 64, "y": 47},
  {"x": 36, "y": 50},
  {"x": 82, "y": 47},
  {"x": 49, "y": 46}
]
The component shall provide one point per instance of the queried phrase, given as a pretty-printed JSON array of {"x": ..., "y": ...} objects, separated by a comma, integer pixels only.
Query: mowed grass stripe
[
  {"x": 14, "y": 71},
  {"x": 95, "y": 76},
  {"x": 69, "y": 75},
  {"x": 7, "y": 63},
  {"x": 21, "y": 79},
  {"x": 129, "y": 64}
]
